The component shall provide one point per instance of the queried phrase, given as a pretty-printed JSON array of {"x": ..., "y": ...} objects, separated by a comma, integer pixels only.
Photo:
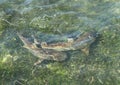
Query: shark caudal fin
[{"x": 24, "y": 40}]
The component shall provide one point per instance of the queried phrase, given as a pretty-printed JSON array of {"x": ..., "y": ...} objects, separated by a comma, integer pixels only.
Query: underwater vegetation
[{"x": 54, "y": 21}]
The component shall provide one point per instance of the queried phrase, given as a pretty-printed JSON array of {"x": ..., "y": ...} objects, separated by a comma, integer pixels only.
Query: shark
[
  {"x": 82, "y": 43},
  {"x": 42, "y": 54}
]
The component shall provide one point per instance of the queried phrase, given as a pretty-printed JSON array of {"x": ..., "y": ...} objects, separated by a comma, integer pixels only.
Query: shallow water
[{"x": 50, "y": 20}]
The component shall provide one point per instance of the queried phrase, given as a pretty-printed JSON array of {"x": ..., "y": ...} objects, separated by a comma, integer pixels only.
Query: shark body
[
  {"x": 42, "y": 54},
  {"x": 82, "y": 42}
]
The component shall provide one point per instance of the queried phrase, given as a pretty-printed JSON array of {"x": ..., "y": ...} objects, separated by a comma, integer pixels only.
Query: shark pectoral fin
[
  {"x": 85, "y": 50},
  {"x": 38, "y": 62}
]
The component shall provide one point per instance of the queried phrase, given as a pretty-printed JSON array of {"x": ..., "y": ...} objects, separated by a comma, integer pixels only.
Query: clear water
[{"x": 50, "y": 20}]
